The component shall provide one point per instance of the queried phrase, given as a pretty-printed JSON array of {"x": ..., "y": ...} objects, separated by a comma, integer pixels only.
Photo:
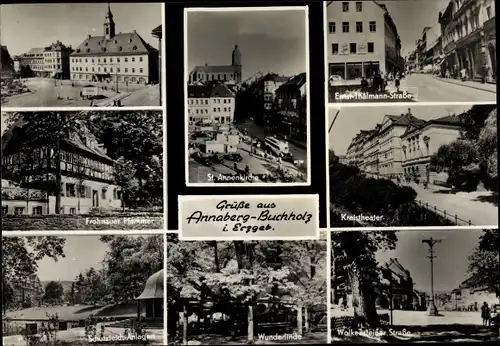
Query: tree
[
  {"x": 53, "y": 292},
  {"x": 356, "y": 268},
  {"x": 124, "y": 173},
  {"x": 484, "y": 262}
]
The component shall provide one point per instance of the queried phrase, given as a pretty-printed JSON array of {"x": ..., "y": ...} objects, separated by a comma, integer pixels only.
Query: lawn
[{"x": 122, "y": 221}]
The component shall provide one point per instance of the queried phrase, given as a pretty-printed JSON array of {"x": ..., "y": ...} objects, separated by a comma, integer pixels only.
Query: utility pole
[{"x": 432, "y": 309}]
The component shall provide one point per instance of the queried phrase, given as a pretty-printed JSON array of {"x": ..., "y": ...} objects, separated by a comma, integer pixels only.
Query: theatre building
[
  {"x": 29, "y": 179},
  {"x": 362, "y": 39},
  {"x": 115, "y": 57}
]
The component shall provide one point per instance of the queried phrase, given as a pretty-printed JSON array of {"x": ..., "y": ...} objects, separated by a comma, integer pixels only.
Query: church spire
[{"x": 109, "y": 24}]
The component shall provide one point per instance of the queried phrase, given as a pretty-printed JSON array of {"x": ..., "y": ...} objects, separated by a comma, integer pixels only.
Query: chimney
[{"x": 89, "y": 36}]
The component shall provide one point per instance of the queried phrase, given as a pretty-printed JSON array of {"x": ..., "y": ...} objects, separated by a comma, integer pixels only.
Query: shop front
[
  {"x": 354, "y": 70},
  {"x": 471, "y": 54},
  {"x": 490, "y": 50}
]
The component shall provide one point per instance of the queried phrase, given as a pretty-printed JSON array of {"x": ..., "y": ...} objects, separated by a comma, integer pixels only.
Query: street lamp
[{"x": 433, "y": 311}]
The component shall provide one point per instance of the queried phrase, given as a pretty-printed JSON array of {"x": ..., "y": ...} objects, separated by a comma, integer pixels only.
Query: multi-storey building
[
  {"x": 114, "y": 57},
  {"x": 210, "y": 74},
  {"x": 469, "y": 296},
  {"x": 362, "y": 39},
  {"x": 87, "y": 178},
  {"x": 49, "y": 62},
  {"x": 469, "y": 38},
  {"x": 402, "y": 145},
  {"x": 422, "y": 139},
  {"x": 28, "y": 291},
  {"x": 210, "y": 104},
  {"x": 264, "y": 92},
  {"x": 291, "y": 104}
]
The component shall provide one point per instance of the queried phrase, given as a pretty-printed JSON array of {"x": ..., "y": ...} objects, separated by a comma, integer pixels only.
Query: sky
[
  {"x": 272, "y": 41},
  {"x": 353, "y": 119},
  {"x": 450, "y": 265},
  {"x": 26, "y": 26},
  {"x": 82, "y": 252},
  {"x": 411, "y": 16}
]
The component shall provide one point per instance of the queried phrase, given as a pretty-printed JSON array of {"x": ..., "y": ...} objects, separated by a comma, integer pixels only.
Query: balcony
[{"x": 19, "y": 193}]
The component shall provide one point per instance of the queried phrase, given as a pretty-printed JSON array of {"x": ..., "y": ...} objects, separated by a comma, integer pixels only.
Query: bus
[{"x": 277, "y": 147}]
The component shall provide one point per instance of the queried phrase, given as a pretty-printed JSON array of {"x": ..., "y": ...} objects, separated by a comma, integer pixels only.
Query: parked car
[
  {"x": 217, "y": 158},
  {"x": 236, "y": 157},
  {"x": 204, "y": 160}
]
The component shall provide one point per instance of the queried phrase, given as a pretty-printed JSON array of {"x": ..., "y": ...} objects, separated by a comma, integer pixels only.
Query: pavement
[
  {"x": 480, "y": 207},
  {"x": 45, "y": 92},
  {"x": 432, "y": 89},
  {"x": 77, "y": 335}
]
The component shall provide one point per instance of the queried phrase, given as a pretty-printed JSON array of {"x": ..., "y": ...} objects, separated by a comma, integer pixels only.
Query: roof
[
  {"x": 57, "y": 46},
  {"x": 36, "y": 52},
  {"x": 275, "y": 78},
  {"x": 206, "y": 91},
  {"x": 215, "y": 69},
  {"x": 120, "y": 44},
  {"x": 295, "y": 81},
  {"x": 154, "y": 286},
  {"x": 396, "y": 267}
]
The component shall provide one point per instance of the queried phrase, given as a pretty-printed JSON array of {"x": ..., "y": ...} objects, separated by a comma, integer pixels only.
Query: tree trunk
[
  {"x": 216, "y": 257},
  {"x": 299, "y": 320},
  {"x": 58, "y": 177},
  {"x": 363, "y": 297},
  {"x": 184, "y": 325},
  {"x": 306, "y": 319},
  {"x": 250, "y": 325}
]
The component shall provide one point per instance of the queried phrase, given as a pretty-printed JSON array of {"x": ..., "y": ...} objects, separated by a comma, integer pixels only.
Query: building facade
[
  {"x": 469, "y": 297},
  {"x": 210, "y": 74},
  {"x": 47, "y": 62},
  {"x": 87, "y": 178},
  {"x": 291, "y": 106},
  {"x": 158, "y": 33},
  {"x": 114, "y": 57},
  {"x": 402, "y": 146},
  {"x": 28, "y": 291},
  {"x": 422, "y": 140},
  {"x": 210, "y": 104},
  {"x": 469, "y": 38},
  {"x": 362, "y": 39}
]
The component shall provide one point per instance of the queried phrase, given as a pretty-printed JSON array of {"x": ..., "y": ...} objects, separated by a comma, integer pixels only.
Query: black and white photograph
[
  {"x": 247, "y": 85},
  {"x": 415, "y": 286},
  {"x": 89, "y": 170},
  {"x": 420, "y": 166},
  {"x": 57, "y": 292},
  {"x": 411, "y": 51},
  {"x": 246, "y": 292},
  {"x": 81, "y": 55}
]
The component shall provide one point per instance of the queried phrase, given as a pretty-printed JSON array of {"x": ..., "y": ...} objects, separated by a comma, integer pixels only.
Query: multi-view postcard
[
  {"x": 247, "y": 86},
  {"x": 410, "y": 51}
]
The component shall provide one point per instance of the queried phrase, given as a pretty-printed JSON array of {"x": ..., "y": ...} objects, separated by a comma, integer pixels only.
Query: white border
[
  {"x": 308, "y": 94},
  {"x": 332, "y": 106},
  {"x": 329, "y": 264},
  {"x": 81, "y": 109},
  {"x": 185, "y": 198},
  {"x": 327, "y": 139},
  {"x": 164, "y": 113}
]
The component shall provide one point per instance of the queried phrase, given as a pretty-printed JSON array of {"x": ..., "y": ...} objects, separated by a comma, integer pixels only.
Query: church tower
[
  {"x": 236, "y": 63},
  {"x": 109, "y": 25}
]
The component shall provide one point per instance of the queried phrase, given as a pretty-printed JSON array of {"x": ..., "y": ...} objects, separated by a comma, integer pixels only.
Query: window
[
  {"x": 359, "y": 6},
  {"x": 70, "y": 190},
  {"x": 111, "y": 69},
  {"x": 215, "y": 109},
  {"x": 104, "y": 59},
  {"x": 140, "y": 70},
  {"x": 105, "y": 69},
  {"x": 98, "y": 59},
  {"x": 345, "y": 7},
  {"x": 110, "y": 59},
  {"x": 118, "y": 69},
  {"x": 126, "y": 70},
  {"x": 86, "y": 69},
  {"x": 359, "y": 26},
  {"x": 345, "y": 26},
  {"x": 126, "y": 59},
  {"x": 37, "y": 210},
  {"x": 99, "y": 69},
  {"x": 371, "y": 47},
  {"x": 140, "y": 58},
  {"x": 93, "y": 69},
  {"x": 117, "y": 59},
  {"x": 103, "y": 193},
  {"x": 19, "y": 210},
  {"x": 373, "y": 26},
  {"x": 4, "y": 210},
  {"x": 335, "y": 48},
  {"x": 352, "y": 48},
  {"x": 72, "y": 210},
  {"x": 331, "y": 27},
  {"x": 92, "y": 59},
  {"x": 133, "y": 59}
]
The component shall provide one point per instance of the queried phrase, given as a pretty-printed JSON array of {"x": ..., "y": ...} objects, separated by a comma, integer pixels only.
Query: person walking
[
  {"x": 397, "y": 82},
  {"x": 485, "y": 314}
]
